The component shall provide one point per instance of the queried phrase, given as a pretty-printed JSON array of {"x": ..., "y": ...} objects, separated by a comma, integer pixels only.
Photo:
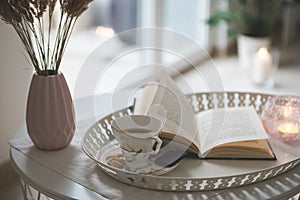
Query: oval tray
[{"x": 196, "y": 174}]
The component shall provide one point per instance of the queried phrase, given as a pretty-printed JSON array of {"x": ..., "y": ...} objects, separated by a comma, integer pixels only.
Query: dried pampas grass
[{"x": 28, "y": 18}]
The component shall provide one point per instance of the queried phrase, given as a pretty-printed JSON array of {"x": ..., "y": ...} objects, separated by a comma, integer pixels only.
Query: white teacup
[{"x": 138, "y": 137}]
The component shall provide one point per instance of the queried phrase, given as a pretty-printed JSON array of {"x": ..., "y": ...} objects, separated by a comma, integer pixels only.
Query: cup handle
[{"x": 158, "y": 144}]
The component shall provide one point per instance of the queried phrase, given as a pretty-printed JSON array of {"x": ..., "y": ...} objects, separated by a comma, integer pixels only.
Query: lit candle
[
  {"x": 288, "y": 129},
  {"x": 262, "y": 66},
  {"x": 105, "y": 32}
]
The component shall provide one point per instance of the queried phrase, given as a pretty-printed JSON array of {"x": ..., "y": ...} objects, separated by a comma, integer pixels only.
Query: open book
[{"x": 232, "y": 133}]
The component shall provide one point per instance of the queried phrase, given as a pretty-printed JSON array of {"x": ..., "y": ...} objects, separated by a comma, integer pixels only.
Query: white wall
[{"x": 15, "y": 76}]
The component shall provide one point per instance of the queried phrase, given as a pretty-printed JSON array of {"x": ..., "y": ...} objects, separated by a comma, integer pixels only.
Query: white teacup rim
[{"x": 151, "y": 133}]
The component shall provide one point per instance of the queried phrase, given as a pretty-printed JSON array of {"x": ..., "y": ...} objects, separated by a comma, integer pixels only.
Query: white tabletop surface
[
  {"x": 58, "y": 186},
  {"x": 47, "y": 181}
]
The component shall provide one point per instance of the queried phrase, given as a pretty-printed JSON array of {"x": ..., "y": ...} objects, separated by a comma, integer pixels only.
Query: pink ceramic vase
[{"x": 50, "y": 116}]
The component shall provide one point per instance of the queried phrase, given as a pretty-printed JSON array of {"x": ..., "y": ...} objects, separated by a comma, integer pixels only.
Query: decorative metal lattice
[
  {"x": 30, "y": 192},
  {"x": 100, "y": 134}
]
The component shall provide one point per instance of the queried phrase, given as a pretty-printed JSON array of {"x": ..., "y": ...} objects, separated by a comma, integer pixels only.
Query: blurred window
[{"x": 181, "y": 28}]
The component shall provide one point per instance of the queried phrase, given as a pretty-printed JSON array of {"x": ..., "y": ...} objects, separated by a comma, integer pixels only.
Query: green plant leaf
[
  {"x": 251, "y": 17},
  {"x": 228, "y": 17},
  {"x": 232, "y": 32}
]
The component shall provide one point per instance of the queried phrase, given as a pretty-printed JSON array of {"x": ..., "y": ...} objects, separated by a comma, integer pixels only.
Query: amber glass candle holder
[{"x": 281, "y": 118}]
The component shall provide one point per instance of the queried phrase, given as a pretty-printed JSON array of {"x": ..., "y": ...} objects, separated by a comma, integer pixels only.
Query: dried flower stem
[{"x": 28, "y": 19}]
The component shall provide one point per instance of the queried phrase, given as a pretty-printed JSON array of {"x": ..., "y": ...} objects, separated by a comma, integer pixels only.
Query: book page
[
  {"x": 179, "y": 112},
  {"x": 170, "y": 105},
  {"x": 144, "y": 103},
  {"x": 225, "y": 125}
]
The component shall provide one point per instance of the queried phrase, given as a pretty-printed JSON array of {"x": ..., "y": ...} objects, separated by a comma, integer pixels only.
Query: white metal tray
[{"x": 196, "y": 174}]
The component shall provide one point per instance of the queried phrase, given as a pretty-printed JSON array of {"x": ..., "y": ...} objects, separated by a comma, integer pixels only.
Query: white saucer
[{"x": 112, "y": 156}]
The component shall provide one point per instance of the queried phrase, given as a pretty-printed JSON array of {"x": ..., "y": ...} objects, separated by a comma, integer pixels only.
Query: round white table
[{"x": 39, "y": 182}]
